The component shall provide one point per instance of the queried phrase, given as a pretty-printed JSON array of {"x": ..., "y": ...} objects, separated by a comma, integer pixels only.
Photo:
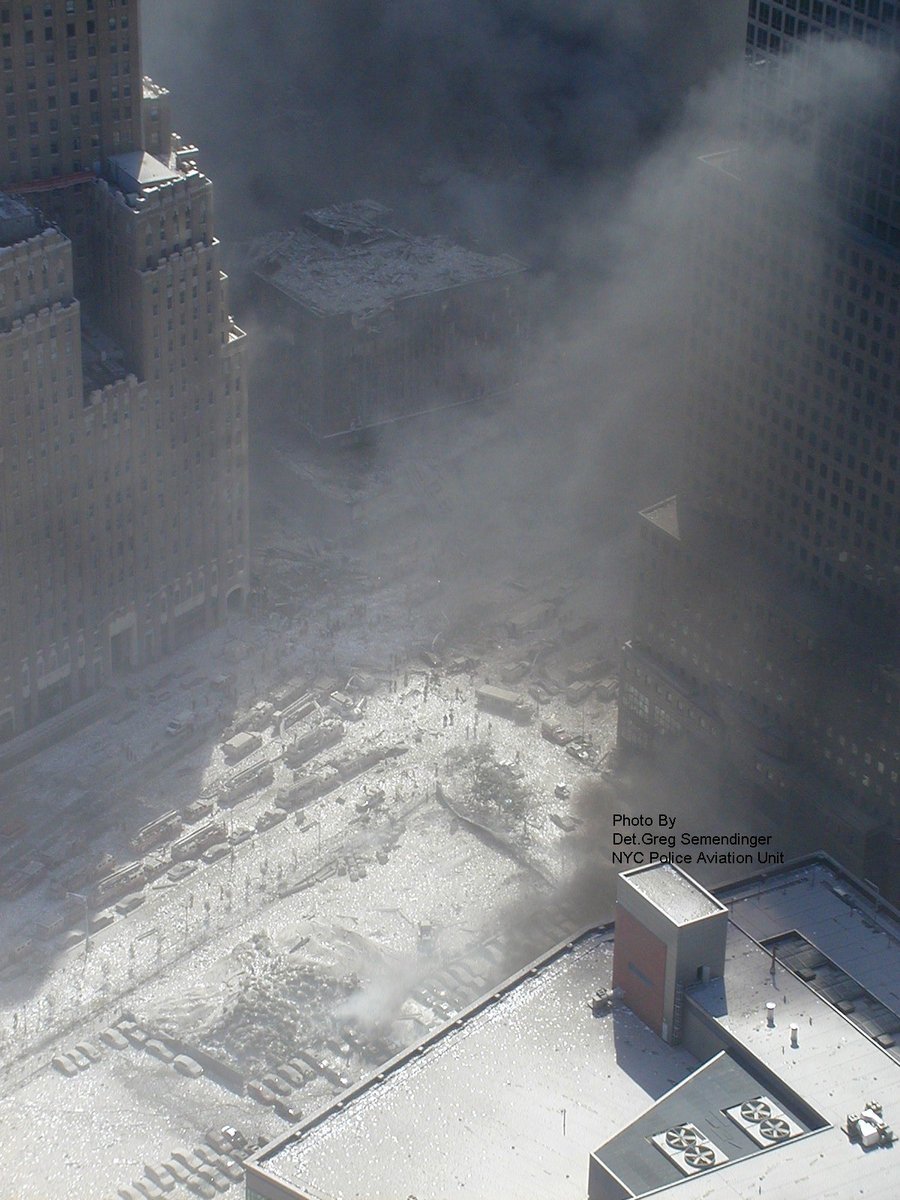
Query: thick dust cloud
[
  {"x": 568, "y": 134},
  {"x": 490, "y": 114}
]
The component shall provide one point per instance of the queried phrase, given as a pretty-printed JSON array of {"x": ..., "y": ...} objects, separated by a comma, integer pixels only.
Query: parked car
[
  {"x": 261, "y": 1093},
  {"x": 269, "y": 818},
  {"x": 180, "y": 870},
  {"x": 288, "y": 1111},
  {"x": 556, "y": 734},
  {"x": 114, "y": 1039},
  {"x": 185, "y": 1065},
  {"x": 158, "y": 1050},
  {"x": 181, "y": 724},
  {"x": 188, "y": 1160},
  {"x": 214, "y": 853},
  {"x": 290, "y": 1076},
  {"x": 276, "y": 1085}
]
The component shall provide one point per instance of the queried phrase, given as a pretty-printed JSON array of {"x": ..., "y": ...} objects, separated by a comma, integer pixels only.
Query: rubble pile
[
  {"x": 273, "y": 1005},
  {"x": 493, "y": 792}
]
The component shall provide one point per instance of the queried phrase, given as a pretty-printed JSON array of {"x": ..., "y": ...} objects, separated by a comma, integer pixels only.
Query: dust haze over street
[
  {"x": 335, "y": 909},
  {"x": 367, "y": 916}
]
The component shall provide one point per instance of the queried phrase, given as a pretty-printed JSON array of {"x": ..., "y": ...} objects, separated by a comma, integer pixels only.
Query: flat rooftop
[
  {"x": 674, "y": 893},
  {"x": 823, "y": 904},
  {"x": 514, "y": 1097},
  {"x": 507, "y": 1103},
  {"x": 835, "y": 1068},
  {"x": 346, "y": 260}
]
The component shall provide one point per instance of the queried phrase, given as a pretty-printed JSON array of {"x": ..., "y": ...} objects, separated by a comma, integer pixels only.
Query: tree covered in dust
[{"x": 494, "y": 788}]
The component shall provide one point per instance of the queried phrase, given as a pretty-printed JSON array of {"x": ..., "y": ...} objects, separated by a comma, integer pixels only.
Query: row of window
[
  {"x": 71, "y": 9},
  {"x": 49, "y": 94},
  {"x": 637, "y": 700},
  {"x": 112, "y": 66},
  {"x": 775, "y": 12}
]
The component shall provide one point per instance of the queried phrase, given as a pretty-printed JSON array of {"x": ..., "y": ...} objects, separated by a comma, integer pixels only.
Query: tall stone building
[
  {"x": 766, "y": 620},
  {"x": 123, "y": 409}
]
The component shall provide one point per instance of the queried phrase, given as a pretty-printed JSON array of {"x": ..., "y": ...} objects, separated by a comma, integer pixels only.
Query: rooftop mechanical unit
[
  {"x": 763, "y": 1121},
  {"x": 688, "y": 1149}
]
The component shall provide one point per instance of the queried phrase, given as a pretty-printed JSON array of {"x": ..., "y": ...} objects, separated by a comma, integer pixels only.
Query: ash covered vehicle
[
  {"x": 370, "y": 801},
  {"x": 181, "y": 725},
  {"x": 505, "y": 703},
  {"x": 557, "y": 734},
  {"x": 584, "y": 751},
  {"x": 305, "y": 789},
  {"x": 269, "y": 818},
  {"x": 309, "y": 744},
  {"x": 240, "y": 746},
  {"x": 461, "y": 665},
  {"x": 349, "y": 708},
  {"x": 245, "y": 783},
  {"x": 194, "y": 843},
  {"x": 157, "y": 831}
]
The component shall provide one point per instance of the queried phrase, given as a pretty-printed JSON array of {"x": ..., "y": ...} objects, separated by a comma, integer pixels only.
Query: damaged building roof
[{"x": 345, "y": 259}]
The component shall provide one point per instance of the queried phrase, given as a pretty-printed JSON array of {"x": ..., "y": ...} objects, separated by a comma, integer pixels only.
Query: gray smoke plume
[{"x": 495, "y": 112}]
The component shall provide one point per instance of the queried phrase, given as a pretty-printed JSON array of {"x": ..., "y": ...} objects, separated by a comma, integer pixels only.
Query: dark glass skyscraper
[{"x": 766, "y": 618}]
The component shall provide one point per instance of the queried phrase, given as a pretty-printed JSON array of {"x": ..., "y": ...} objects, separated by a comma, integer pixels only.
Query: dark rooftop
[
  {"x": 650, "y": 1153},
  {"x": 18, "y": 220}
]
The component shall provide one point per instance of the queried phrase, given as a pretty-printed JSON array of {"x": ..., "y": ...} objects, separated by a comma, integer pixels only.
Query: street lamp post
[{"x": 87, "y": 924}]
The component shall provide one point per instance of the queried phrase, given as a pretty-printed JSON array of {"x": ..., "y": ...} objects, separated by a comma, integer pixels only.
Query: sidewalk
[{"x": 73, "y": 719}]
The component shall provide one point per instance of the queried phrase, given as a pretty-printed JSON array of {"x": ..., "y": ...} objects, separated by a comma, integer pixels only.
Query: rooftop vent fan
[
  {"x": 775, "y": 1129},
  {"x": 756, "y": 1110},
  {"x": 701, "y": 1157},
  {"x": 682, "y": 1137},
  {"x": 763, "y": 1121},
  {"x": 688, "y": 1149}
]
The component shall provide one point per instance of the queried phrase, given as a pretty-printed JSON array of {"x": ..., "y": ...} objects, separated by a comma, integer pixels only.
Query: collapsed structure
[
  {"x": 123, "y": 509},
  {"x": 372, "y": 324},
  {"x": 686, "y": 1047}
]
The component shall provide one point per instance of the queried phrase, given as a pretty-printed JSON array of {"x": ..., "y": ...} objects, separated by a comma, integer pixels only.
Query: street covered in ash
[
  {"x": 381, "y": 849},
  {"x": 282, "y": 936}
]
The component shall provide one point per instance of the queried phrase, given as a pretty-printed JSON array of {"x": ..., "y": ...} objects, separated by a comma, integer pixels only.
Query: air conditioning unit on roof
[
  {"x": 687, "y": 1148},
  {"x": 763, "y": 1121}
]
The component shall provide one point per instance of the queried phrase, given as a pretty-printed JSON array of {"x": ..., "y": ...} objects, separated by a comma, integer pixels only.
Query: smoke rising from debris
[
  {"x": 503, "y": 108},
  {"x": 566, "y": 133},
  {"x": 514, "y": 126}
]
